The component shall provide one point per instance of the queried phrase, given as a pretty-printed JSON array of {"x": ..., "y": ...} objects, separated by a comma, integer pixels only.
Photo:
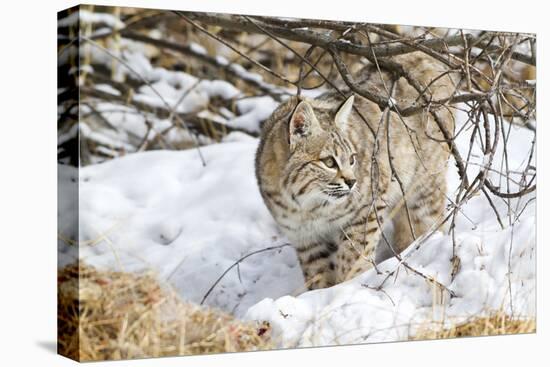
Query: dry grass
[
  {"x": 107, "y": 315},
  {"x": 497, "y": 323},
  {"x": 123, "y": 316}
]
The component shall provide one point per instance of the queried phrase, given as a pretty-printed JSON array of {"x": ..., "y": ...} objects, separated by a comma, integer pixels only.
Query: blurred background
[{"x": 156, "y": 79}]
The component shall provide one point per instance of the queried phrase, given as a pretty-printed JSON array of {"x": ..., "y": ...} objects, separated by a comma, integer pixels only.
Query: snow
[
  {"x": 107, "y": 89},
  {"x": 219, "y": 88},
  {"x": 88, "y": 17},
  {"x": 64, "y": 137},
  {"x": 109, "y": 19},
  {"x": 103, "y": 136},
  {"x": 195, "y": 47},
  {"x": 165, "y": 89},
  {"x": 181, "y": 91},
  {"x": 253, "y": 110},
  {"x": 168, "y": 90},
  {"x": 164, "y": 210},
  {"x": 68, "y": 21},
  {"x": 355, "y": 312},
  {"x": 222, "y": 60},
  {"x": 247, "y": 75}
]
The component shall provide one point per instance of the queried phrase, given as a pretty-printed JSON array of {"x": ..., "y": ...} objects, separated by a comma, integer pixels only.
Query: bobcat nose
[{"x": 350, "y": 182}]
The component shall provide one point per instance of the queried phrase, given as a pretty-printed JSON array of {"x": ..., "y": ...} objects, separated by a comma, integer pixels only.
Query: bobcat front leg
[
  {"x": 357, "y": 249},
  {"x": 316, "y": 260}
]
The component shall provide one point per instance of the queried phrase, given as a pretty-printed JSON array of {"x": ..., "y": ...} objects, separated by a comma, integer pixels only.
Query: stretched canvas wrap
[{"x": 233, "y": 183}]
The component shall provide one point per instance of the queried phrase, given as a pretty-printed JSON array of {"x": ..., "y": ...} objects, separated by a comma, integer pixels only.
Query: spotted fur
[{"x": 325, "y": 173}]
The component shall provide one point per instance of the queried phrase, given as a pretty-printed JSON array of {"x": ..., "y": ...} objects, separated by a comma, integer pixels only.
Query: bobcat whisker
[{"x": 338, "y": 193}]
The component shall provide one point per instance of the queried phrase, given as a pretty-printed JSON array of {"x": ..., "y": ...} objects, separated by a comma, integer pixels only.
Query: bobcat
[{"x": 326, "y": 177}]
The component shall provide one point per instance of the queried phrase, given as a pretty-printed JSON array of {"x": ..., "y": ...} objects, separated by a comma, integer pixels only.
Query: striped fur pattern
[{"x": 327, "y": 178}]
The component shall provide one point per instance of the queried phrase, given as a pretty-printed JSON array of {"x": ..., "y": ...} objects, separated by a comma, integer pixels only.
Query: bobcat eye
[
  {"x": 352, "y": 159},
  {"x": 329, "y": 162}
]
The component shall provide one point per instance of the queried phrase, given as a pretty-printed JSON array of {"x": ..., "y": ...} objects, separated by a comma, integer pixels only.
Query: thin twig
[{"x": 236, "y": 264}]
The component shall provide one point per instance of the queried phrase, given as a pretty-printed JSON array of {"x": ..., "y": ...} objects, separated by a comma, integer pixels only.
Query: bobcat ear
[
  {"x": 303, "y": 123},
  {"x": 344, "y": 112}
]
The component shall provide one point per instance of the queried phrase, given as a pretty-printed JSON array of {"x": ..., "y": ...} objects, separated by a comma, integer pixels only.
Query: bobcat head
[{"x": 322, "y": 164}]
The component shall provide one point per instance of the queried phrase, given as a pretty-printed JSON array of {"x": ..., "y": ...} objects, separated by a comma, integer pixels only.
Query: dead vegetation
[
  {"x": 496, "y": 323},
  {"x": 108, "y": 315}
]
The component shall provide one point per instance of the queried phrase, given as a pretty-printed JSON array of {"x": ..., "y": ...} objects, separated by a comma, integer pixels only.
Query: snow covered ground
[{"x": 164, "y": 210}]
